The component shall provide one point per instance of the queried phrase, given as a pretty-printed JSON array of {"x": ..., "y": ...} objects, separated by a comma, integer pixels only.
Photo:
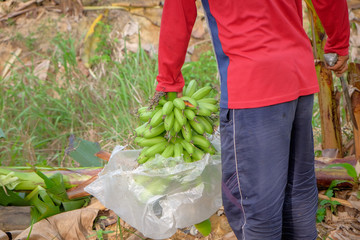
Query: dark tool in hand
[{"x": 331, "y": 59}]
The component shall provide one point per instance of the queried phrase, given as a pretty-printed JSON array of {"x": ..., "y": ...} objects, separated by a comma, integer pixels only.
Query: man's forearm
[
  {"x": 177, "y": 22},
  {"x": 335, "y": 19}
]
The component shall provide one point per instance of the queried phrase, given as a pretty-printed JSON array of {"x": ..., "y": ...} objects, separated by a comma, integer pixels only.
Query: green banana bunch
[{"x": 178, "y": 126}]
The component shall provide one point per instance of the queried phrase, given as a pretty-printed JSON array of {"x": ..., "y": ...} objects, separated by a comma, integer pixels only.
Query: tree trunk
[
  {"x": 14, "y": 218},
  {"x": 329, "y": 111},
  {"x": 354, "y": 79},
  {"x": 329, "y": 114}
]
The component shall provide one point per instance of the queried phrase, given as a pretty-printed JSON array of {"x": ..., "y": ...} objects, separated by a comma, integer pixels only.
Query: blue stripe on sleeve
[{"x": 221, "y": 58}]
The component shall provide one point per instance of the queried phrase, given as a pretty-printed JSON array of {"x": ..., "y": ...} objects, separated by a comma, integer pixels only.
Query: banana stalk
[{"x": 28, "y": 180}]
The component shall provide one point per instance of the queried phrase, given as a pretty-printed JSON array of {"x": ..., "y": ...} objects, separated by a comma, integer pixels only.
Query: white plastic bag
[{"x": 161, "y": 196}]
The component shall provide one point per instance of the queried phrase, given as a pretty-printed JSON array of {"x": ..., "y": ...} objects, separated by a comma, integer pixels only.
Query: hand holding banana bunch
[{"x": 178, "y": 126}]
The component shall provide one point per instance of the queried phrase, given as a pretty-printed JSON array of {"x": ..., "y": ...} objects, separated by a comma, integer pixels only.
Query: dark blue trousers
[{"x": 268, "y": 183}]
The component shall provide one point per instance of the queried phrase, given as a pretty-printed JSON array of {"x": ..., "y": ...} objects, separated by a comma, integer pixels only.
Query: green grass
[{"x": 38, "y": 116}]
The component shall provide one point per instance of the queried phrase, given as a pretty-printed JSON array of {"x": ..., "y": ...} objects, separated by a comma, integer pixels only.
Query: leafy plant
[
  {"x": 351, "y": 171},
  {"x": 100, "y": 234},
  {"x": 103, "y": 48},
  {"x": 321, "y": 211}
]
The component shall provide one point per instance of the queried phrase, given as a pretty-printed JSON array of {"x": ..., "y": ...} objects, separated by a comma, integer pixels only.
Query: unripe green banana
[
  {"x": 141, "y": 179},
  {"x": 197, "y": 155},
  {"x": 210, "y": 120},
  {"x": 178, "y": 149},
  {"x": 177, "y": 127},
  {"x": 142, "y": 153},
  {"x": 153, "y": 132},
  {"x": 211, "y": 107},
  {"x": 202, "y": 111},
  {"x": 191, "y": 101},
  {"x": 209, "y": 149},
  {"x": 157, "y": 118},
  {"x": 206, "y": 124},
  {"x": 179, "y": 116},
  {"x": 189, "y": 114},
  {"x": 145, "y": 116},
  {"x": 142, "y": 159},
  {"x": 138, "y": 139},
  {"x": 140, "y": 130},
  {"x": 157, "y": 186},
  {"x": 191, "y": 88},
  {"x": 186, "y": 157},
  {"x": 208, "y": 100},
  {"x": 147, "y": 142},
  {"x": 186, "y": 132},
  {"x": 169, "y": 151},
  {"x": 197, "y": 127},
  {"x": 169, "y": 121},
  {"x": 200, "y": 141},
  {"x": 167, "y": 108},
  {"x": 189, "y": 148},
  {"x": 162, "y": 101},
  {"x": 157, "y": 148},
  {"x": 179, "y": 103},
  {"x": 201, "y": 93},
  {"x": 142, "y": 109},
  {"x": 172, "y": 132}
]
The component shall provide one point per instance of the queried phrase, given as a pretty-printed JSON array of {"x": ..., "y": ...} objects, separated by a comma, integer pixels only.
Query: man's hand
[{"x": 340, "y": 66}]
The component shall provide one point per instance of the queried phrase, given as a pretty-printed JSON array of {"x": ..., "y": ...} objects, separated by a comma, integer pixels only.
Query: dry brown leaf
[
  {"x": 96, "y": 204},
  {"x": 354, "y": 201},
  {"x": 220, "y": 225},
  {"x": 11, "y": 61},
  {"x": 72, "y": 225},
  {"x": 41, "y": 70}
]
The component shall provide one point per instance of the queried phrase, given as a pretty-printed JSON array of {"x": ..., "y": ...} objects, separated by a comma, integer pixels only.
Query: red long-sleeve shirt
[{"x": 263, "y": 53}]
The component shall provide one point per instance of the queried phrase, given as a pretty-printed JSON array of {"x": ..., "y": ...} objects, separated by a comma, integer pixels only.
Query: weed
[
  {"x": 120, "y": 228},
  {"x": 321, "y": 211},
  {"x": 351, "y": 171},
  {"x": 100, "y": 234},
  {"x": 65, "y": 51},
  {"x": 104, "y": 49}
]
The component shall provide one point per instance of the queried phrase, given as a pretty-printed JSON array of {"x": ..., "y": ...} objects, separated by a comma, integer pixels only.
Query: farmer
[{"x": 268, "y": 79}]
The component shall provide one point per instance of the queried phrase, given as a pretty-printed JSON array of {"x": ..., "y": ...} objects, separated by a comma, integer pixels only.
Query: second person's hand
[{"x": 340, "y": 66}]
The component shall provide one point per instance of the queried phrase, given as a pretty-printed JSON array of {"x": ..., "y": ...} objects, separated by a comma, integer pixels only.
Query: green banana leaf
[
  {"x": 83, "y": 152},
  {"x": 11, "y": 198}
]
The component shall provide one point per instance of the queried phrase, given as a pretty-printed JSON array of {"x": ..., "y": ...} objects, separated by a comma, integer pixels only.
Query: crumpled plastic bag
[{"x": 162, "y": 195}]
